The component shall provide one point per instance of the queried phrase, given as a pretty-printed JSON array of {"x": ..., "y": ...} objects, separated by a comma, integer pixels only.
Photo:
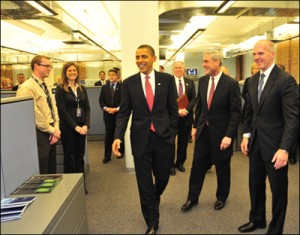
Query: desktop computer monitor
[{"x": 191, "y": 71}]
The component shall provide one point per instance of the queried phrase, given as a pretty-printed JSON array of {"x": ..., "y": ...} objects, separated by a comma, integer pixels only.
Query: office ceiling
[{"x": 64, "y": 37}]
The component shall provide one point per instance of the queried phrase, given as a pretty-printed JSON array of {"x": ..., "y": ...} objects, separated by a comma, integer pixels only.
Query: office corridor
[{"x": 113, "y": 201}]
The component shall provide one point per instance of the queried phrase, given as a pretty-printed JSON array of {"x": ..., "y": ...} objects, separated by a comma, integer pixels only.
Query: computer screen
[{"x": 192, "y": 71}]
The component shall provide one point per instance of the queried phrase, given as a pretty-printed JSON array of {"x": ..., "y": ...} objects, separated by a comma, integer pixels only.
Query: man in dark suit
[
  {"x": 270, "y": 129},
  {"x": 109, "y": 101},
  {"x": 185, "y": 122},
  {"x": 102, "y": 80},
  {"x": 20, "y": 79},
  {"x": 217, "y": 116},
  {"x": 150, "y": 97}
]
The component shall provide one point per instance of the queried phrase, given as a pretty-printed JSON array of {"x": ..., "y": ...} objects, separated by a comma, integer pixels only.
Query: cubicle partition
[
  {"x": 97, "y": 128},
  {"x": 19, "y": 156}
]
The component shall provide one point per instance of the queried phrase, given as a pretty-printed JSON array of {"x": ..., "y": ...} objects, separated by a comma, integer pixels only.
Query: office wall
[{"x": 19, "y": 156}]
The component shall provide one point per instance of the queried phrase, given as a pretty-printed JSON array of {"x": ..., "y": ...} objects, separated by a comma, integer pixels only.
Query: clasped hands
[
  {"x": 82, "y": 130},
  {"x": 54, "y": 137},
  {"x": 111, "y": 110},
  {"x": 182, "y": 112}
]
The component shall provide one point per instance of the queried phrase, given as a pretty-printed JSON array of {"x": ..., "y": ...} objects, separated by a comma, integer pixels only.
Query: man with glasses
[{"x": 46, "y": 116}]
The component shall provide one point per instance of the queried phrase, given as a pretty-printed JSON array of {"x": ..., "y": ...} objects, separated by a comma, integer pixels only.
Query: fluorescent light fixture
[
  {"x": 40, "y": 6},
  {"x": 224, "y": 6},
  {"x": 189, "y": 40}
]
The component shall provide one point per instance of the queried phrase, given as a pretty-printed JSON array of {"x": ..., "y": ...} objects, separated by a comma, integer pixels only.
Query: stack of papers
[
  {"x": 13, "y": 208},
  {"x": 38, "y": 184}
]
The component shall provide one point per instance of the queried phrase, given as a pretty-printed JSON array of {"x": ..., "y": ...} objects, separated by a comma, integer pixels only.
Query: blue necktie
[{"x": 260, "y": 86}]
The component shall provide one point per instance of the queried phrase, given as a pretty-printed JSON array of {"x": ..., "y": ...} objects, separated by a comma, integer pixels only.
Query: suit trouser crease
[
  {"x": 278, "y": 179},
  {"x": 182, "y": 143},
  {"x": 110, "y": 125},
  {"x": 46, "y": 153},
  {"x": 202, "y": 162},
  {"x": 156, "y": 160}
]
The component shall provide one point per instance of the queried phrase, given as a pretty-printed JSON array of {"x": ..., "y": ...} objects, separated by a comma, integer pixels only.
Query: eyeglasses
[{"x": 48, "y": 66}]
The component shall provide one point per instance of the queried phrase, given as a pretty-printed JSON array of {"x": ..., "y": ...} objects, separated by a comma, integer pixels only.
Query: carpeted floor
[{"x": 113, "y": 202}]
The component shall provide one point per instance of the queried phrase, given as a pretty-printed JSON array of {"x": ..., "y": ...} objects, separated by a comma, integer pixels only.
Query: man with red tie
[
  {"x": 217, "y": 116},
  {"x": 184, "y": 86},
  {"x": 150, "y": 97}
]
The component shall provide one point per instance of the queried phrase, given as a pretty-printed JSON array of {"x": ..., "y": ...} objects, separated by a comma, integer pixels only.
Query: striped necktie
[
  {"x": 260, "y": 86},
  {"x": 180, "y": 88},
  {"x": 48, "y": 98}
]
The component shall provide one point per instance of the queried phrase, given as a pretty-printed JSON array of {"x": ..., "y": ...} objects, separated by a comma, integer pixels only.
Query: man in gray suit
[
  {"x": 150, "y": 97},
  {"x": 217, "y": 116},
  {"x": 271, "y": 125}
]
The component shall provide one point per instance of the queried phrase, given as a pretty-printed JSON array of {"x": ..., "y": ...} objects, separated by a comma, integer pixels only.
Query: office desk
[{"x": 63, "y": 211}]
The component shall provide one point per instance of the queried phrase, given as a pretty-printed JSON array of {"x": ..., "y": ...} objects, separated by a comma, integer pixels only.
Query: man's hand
[
  {"x": 226, "y": 141},
  {"x": 280, "y": 158},
  {"x": 244, "y": 146},
  {"x": 116, "y": 146},
  {"x": 194, "y": 131}
]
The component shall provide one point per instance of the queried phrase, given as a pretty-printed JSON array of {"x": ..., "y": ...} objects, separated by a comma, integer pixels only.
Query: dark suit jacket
[
  {"x": 106, "y": 100},
  {"x": 224, "y": 114},
  {"x": 164, "y": 113},
  {"x": 274, "y": 121},
  {"x": 191, "y": 94},
  {"x": 67, "y": 105},
  {"x": 99, "y": 83},
  {"x": 14, "y": 88}
]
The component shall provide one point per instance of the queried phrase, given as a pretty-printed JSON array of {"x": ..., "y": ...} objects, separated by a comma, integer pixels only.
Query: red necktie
[
  {"x": 180, "y": 90},
  {"x": 211, "y": 92},
  {"x": 149, "y": 97}
]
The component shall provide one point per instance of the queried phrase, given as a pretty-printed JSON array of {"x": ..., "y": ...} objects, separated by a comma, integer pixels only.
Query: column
[{"x": 139, "y": 23}]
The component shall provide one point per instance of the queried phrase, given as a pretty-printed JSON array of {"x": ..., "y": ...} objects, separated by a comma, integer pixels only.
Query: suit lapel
[
  {"x": 140, "y": 90},
  {"x": 267, "y": 88},
  {"x": 158, "y": 89},
  {"x": 204, "y": 88}
]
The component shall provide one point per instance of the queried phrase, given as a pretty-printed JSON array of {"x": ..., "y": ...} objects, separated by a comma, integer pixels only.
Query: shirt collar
[
  {"x": 268, "y": 70},
  {"x": 151, "y": 75}
]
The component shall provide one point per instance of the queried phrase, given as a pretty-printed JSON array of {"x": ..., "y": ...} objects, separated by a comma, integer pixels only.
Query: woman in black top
[{"x": 74, "y": 114}]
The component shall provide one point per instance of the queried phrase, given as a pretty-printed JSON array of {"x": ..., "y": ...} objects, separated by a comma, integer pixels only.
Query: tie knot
[
  {"x": 212, "y": 78},
  {"x": 147, "y": 77},
  {"x": 262, "y": 76}
]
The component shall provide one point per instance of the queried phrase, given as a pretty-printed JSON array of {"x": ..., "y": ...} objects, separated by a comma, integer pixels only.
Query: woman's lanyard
[{"x": 78, "y": 109}]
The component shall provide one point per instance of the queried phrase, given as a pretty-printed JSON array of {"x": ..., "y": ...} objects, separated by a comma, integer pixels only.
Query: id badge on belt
[{"x": 78, "y": 112}]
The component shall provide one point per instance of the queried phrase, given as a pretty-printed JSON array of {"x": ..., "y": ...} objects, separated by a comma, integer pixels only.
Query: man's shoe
[
  {"x": 219, "y": 205},
  {"x": 152, "y": 230},
  {"x": 249, "y": 227},
  {"x": 86, "y": 191},
  {"x": 173, "y": 171},
  {"x": 106, "y": 160},
  {"x": 181, "y": 168},
  {"x": 188, "y": 205}
]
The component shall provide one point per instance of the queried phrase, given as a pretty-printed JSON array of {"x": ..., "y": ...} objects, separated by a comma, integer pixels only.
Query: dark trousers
[
  {"x": 201, "y": 163},
  {"x": 157, "y": 158},
  {"x": 74, "y": 149},
  {"x": 110, "y": 125},
  {"x": 46, "y": 153},
  {"x": 182, "y": 143},
  {"x": 259, "y": 170}
]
